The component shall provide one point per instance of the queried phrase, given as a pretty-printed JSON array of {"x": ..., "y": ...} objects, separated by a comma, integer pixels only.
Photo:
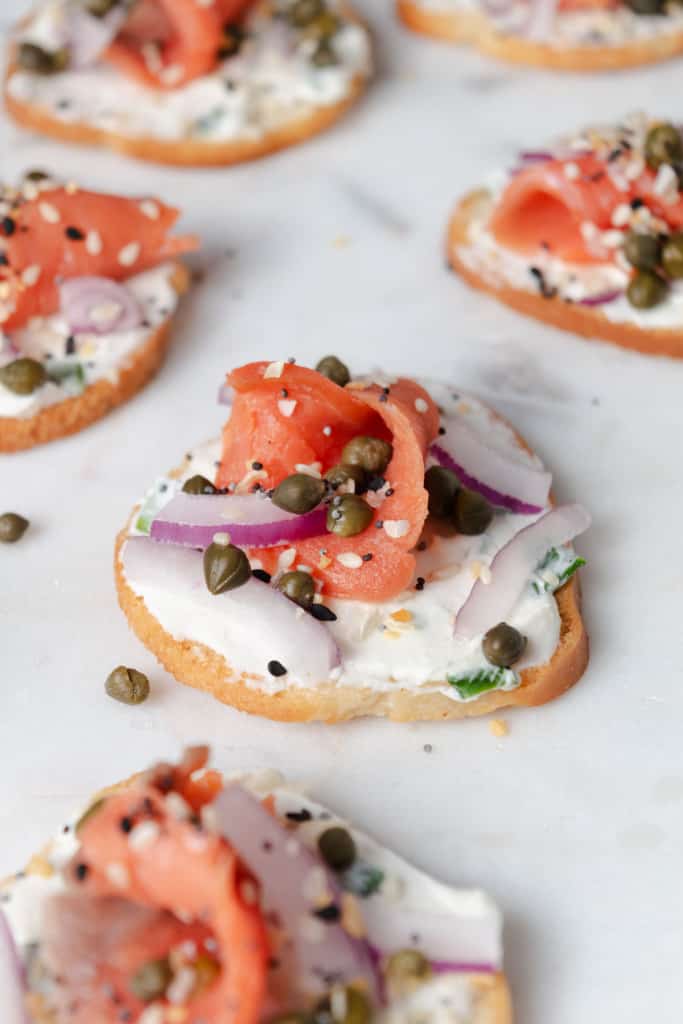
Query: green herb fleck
[
  {"x": 70, "y": 376},
  {"x": 475, "y": 683},
  {"x": 362, "y": 879}
]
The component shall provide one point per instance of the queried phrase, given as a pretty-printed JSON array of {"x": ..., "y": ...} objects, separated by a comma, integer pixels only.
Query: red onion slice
[
  {"x": 225, "y": 395},
  {"x": 490, "y": 603},
  {"x": 98, "y": 305},
  {"x": 502, "y": 480},
  {"x": 267, "y": 625},
  {"x": 252, "y": 521},
  {"x": 602, "y": 299},
  {"x": 12, "y": 982},
  {"x": 295, "y": 883},
  {"x": 535, "y": 156},
  {"x": 87, "y": 36}
]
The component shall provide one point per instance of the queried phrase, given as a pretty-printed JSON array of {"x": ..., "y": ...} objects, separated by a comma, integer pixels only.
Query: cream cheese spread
[
  {"x": 378, "y": 649},
  {"x": 75, "y": 361},
  {"x": 270, "y": 82}
]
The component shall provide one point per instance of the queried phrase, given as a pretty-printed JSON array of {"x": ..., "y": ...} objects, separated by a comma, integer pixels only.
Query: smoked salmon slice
[{"x": 65, "y": 233}]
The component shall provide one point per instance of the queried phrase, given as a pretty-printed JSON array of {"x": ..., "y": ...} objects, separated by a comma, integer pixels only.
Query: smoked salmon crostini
[
  {"x": 183, "y": 897},
  {"x": 89, "y": 284},
  {"x": 351, "y": 547},
  {"x": 194, "y": 82},
  {"x": 586, "y": 234},
  {"x": 567, "y": 35}
]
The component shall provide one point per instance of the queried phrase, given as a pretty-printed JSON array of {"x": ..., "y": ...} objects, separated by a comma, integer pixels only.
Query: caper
[
  {"x": 503, "y": 645},
  {"x": 151, "y": 980},
  {"x": 344, "y": 1005},
  {"x": 642, "y": 251},
  {"x": 100, "y": 7},
  {"x": 370, "y": 453},
  {"x": 405, "y": 970},
  {"x": 299, "y": 493},
  {"x": 323, "y": 27},
  {"x": 23, "y": 376},
  {"x": 337, "y": 848},
  {"x": 43, "y": 62},
  {"x": 89, "y": 813},
  {"x": 646, "y": 289},
  {"x": 12, "y": 527},
  {"x": 35, "y": 176},
  {"x": 127, "y": 685},
  {"x": 646, "y": 6},
  {"x": 672, "y": 255},
  {"x": 324, "y": 55},
  {"x": 226, "y": 567},
  {"x": 198, "y": 484},
  {"x": 341, "y": 474},
  {"x": 334, "y": 370},
  {"x": 471, "y": 512},
  {"x": 663, "y": 145},
  {"x": 303, "y": 12},
  {"x": 442, "y": 485},
  {"x": 298, "y": 587},
  {"x": 348, "y": 515}
]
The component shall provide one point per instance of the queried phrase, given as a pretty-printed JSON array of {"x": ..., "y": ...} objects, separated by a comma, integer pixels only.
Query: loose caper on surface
[
  {"x": 151, "y": 980},
  {"x": 646, "y": 289},
  {"x": 503, "y": 645},
  {"x": 348, "y": 515},
  {"x": 337, "y": 848},
  {"x": 344, "y": 1005},
  {"x": 370, "y": 453},
  {"x": 471, "y": 512},
  {"x": 302, "y": 12},
  {"x": 127, "y": 685},
  {"x": 42, "y": 62},
  {"x": 339, "y": 475},
  {"x": 226, "y": 567},
  {"x": 299, "y": 493},
  {"x": 198, "y": 484},
  {"x": 298, "y": 587},
  {"x": 663, "y": 145},
  {"x": 23, "y": 376},
  {"x": 334, "y": 370},
  {"x": 405, "y": 970},
  {"x": 442, "y": 485},
  {"x": 643, "y": 252},
  {"x": 672, "y": 255},
  {"x": 12, "y": 527}
]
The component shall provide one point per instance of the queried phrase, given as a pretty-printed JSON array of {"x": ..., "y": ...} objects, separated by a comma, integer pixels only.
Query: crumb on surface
[{"x": 498, "y": 727}]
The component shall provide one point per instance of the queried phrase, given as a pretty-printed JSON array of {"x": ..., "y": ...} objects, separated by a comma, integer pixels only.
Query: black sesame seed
[
  {"x": 331, "y": 913},
  {"x": 257, "y": 465},
  {"x": 376, "y": 483},
  {"x": 8, "y": 225},
  {"x": 261, "y": 574},
  {"x": 389, "y": 491},
  {"x": 75, "y": 234},
  {"x": 266, "y": 846},
  {"x": 367, "y": 557},
  {"x": 322, "y": 614},
  {"x": 4, "y": 262},
  {"x": 299, "y": 816},
  {"x": 81, "y": 871},
  {"x": 420, "y": 583},
  {"x": 383, "y": 397},
  {"x": 379, "y": 523},
  {"x": 276, "y": 669},
  {"x": 442, "y": 430},
  {"x": 70, "y": 345},
  {"x": 284, "y": 392},
  {"x": 126, "y": 824},
  {"x": 637, "y": 203}
]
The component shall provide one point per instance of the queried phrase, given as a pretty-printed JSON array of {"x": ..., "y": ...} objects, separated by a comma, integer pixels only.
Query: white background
[{"x": 573, "y": 821}]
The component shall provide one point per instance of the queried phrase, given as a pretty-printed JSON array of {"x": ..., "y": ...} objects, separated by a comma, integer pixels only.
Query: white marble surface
[{"x": 575, "y": 820}]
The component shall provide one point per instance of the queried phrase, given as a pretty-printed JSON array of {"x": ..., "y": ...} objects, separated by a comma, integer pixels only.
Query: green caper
[
  {"x": 23, "y": 376},
  {"x": 334, "y": 370},
  {"x": 337, "y": 848},
  {"x": 663, "y": 145},
  {"x": 89, "y": 813},
  {"x": 100, "y": 7},
  {"x": 303, "y": 12},
  {"x": 471, "y": 512},
  {"x": 405, "y": 970},
  {"x": 199, "y": 484},
  {"x": 127, "y": 685},
  {"x": 151, "y": 980},
  {"x": 646, "y": 289},
  {"x": 642, "y": 251},
  {"x": 298, "y": 587},
  {"x": 348, "y": 515},
  {"x": 341, "y": 474},
  {"x": 646, "y": 6},
  {"x": 672, "y": 255},
  {"x": 442, "y": 485},
  {"x": 226, "y": 567},
  {"x": 324, "y": 55},
  {"x": 42, "y": 62},
  {"x": 324, "y": 27},
  {"x": 503, "y": 645},
  {"x": 344, "y": 1005},
  {"x": 299, "y": 493},
  {"x": 370, "y": 453},
  {"x": 12, "y": 527}
]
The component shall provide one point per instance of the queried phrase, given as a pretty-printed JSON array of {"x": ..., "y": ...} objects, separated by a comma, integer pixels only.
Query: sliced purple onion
[
  {"x": 12, "y": 980},
  {"x": 535, "y": 156},
  {"x": 87, "y": 36},
  {"x": 296, "y": 886},
  {"x": 442, "y": 966},
  {"x": 602, "y": 299},
  {"x": 268, "y": 626},
  {"x": 490, "y": 603},
  {"x": 539, "y": 27},
  {"x": 98, "y": 305},
  {"x": 502, "y": 480},
  {"x": 252, "y": 520},
  {"x": 226, "y": 395}
]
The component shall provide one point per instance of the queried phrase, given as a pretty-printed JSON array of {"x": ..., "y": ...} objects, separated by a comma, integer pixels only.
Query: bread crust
[
  {"x": 75, "y": 413},
  {"x": 473, "y": 27},
  {"x": 588, "y": 321}
]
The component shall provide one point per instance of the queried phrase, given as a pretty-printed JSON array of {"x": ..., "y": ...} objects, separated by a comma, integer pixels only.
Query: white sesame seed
[
  {"x": 31, "y": 274},
  {"x": 314, "y": 469},
  {"x": 666, "y": 184},
  {"x": 396, "y": 528},
  {"x": 327, "y": 431},
  {"x": 222, "y": 538},
  {"x": 181, "y": 987},
  {"x": 621, "y": 215},
  {"x": 93, "y": 243},
  {"x": 129, "y": 254},
  {"x": 150, "y": 209},
  {"x": 177, "y": 806},
  {"x": 171, "y": 75},
  {"x": 274, "y": 369},
  {"x": 152, "y": 1015},
  {"x": 49, "y": 213},
  {"x": 209, "y": 818},
  {"x": 421, "y": 405},
  {"x": 117, "y": 873},
  {"x": 286, "y": 559},
  {"x": 143, "y": 835},
  {"x": 571, "y": 171},
  {"x": 287, "y": 406},
  {"x": 350, "y": 560}
]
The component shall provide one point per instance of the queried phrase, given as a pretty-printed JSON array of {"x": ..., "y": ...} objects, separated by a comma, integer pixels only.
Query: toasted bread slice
[
  {"x": 74, "y": 413},
  {"x": 588, "y": 321},
  {"x": 473, "y": 27}
]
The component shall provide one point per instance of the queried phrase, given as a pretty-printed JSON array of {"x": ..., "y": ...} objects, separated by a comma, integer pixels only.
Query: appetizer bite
[
  {"x": 586, "y": 235},
  {"x": 89, "y": 284},
  {"x": 357, "y": 547},
  {"x": 569, "y": 35},
  {"x": 194, "y": 82},
  {"x": 181, "y": 896}
]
